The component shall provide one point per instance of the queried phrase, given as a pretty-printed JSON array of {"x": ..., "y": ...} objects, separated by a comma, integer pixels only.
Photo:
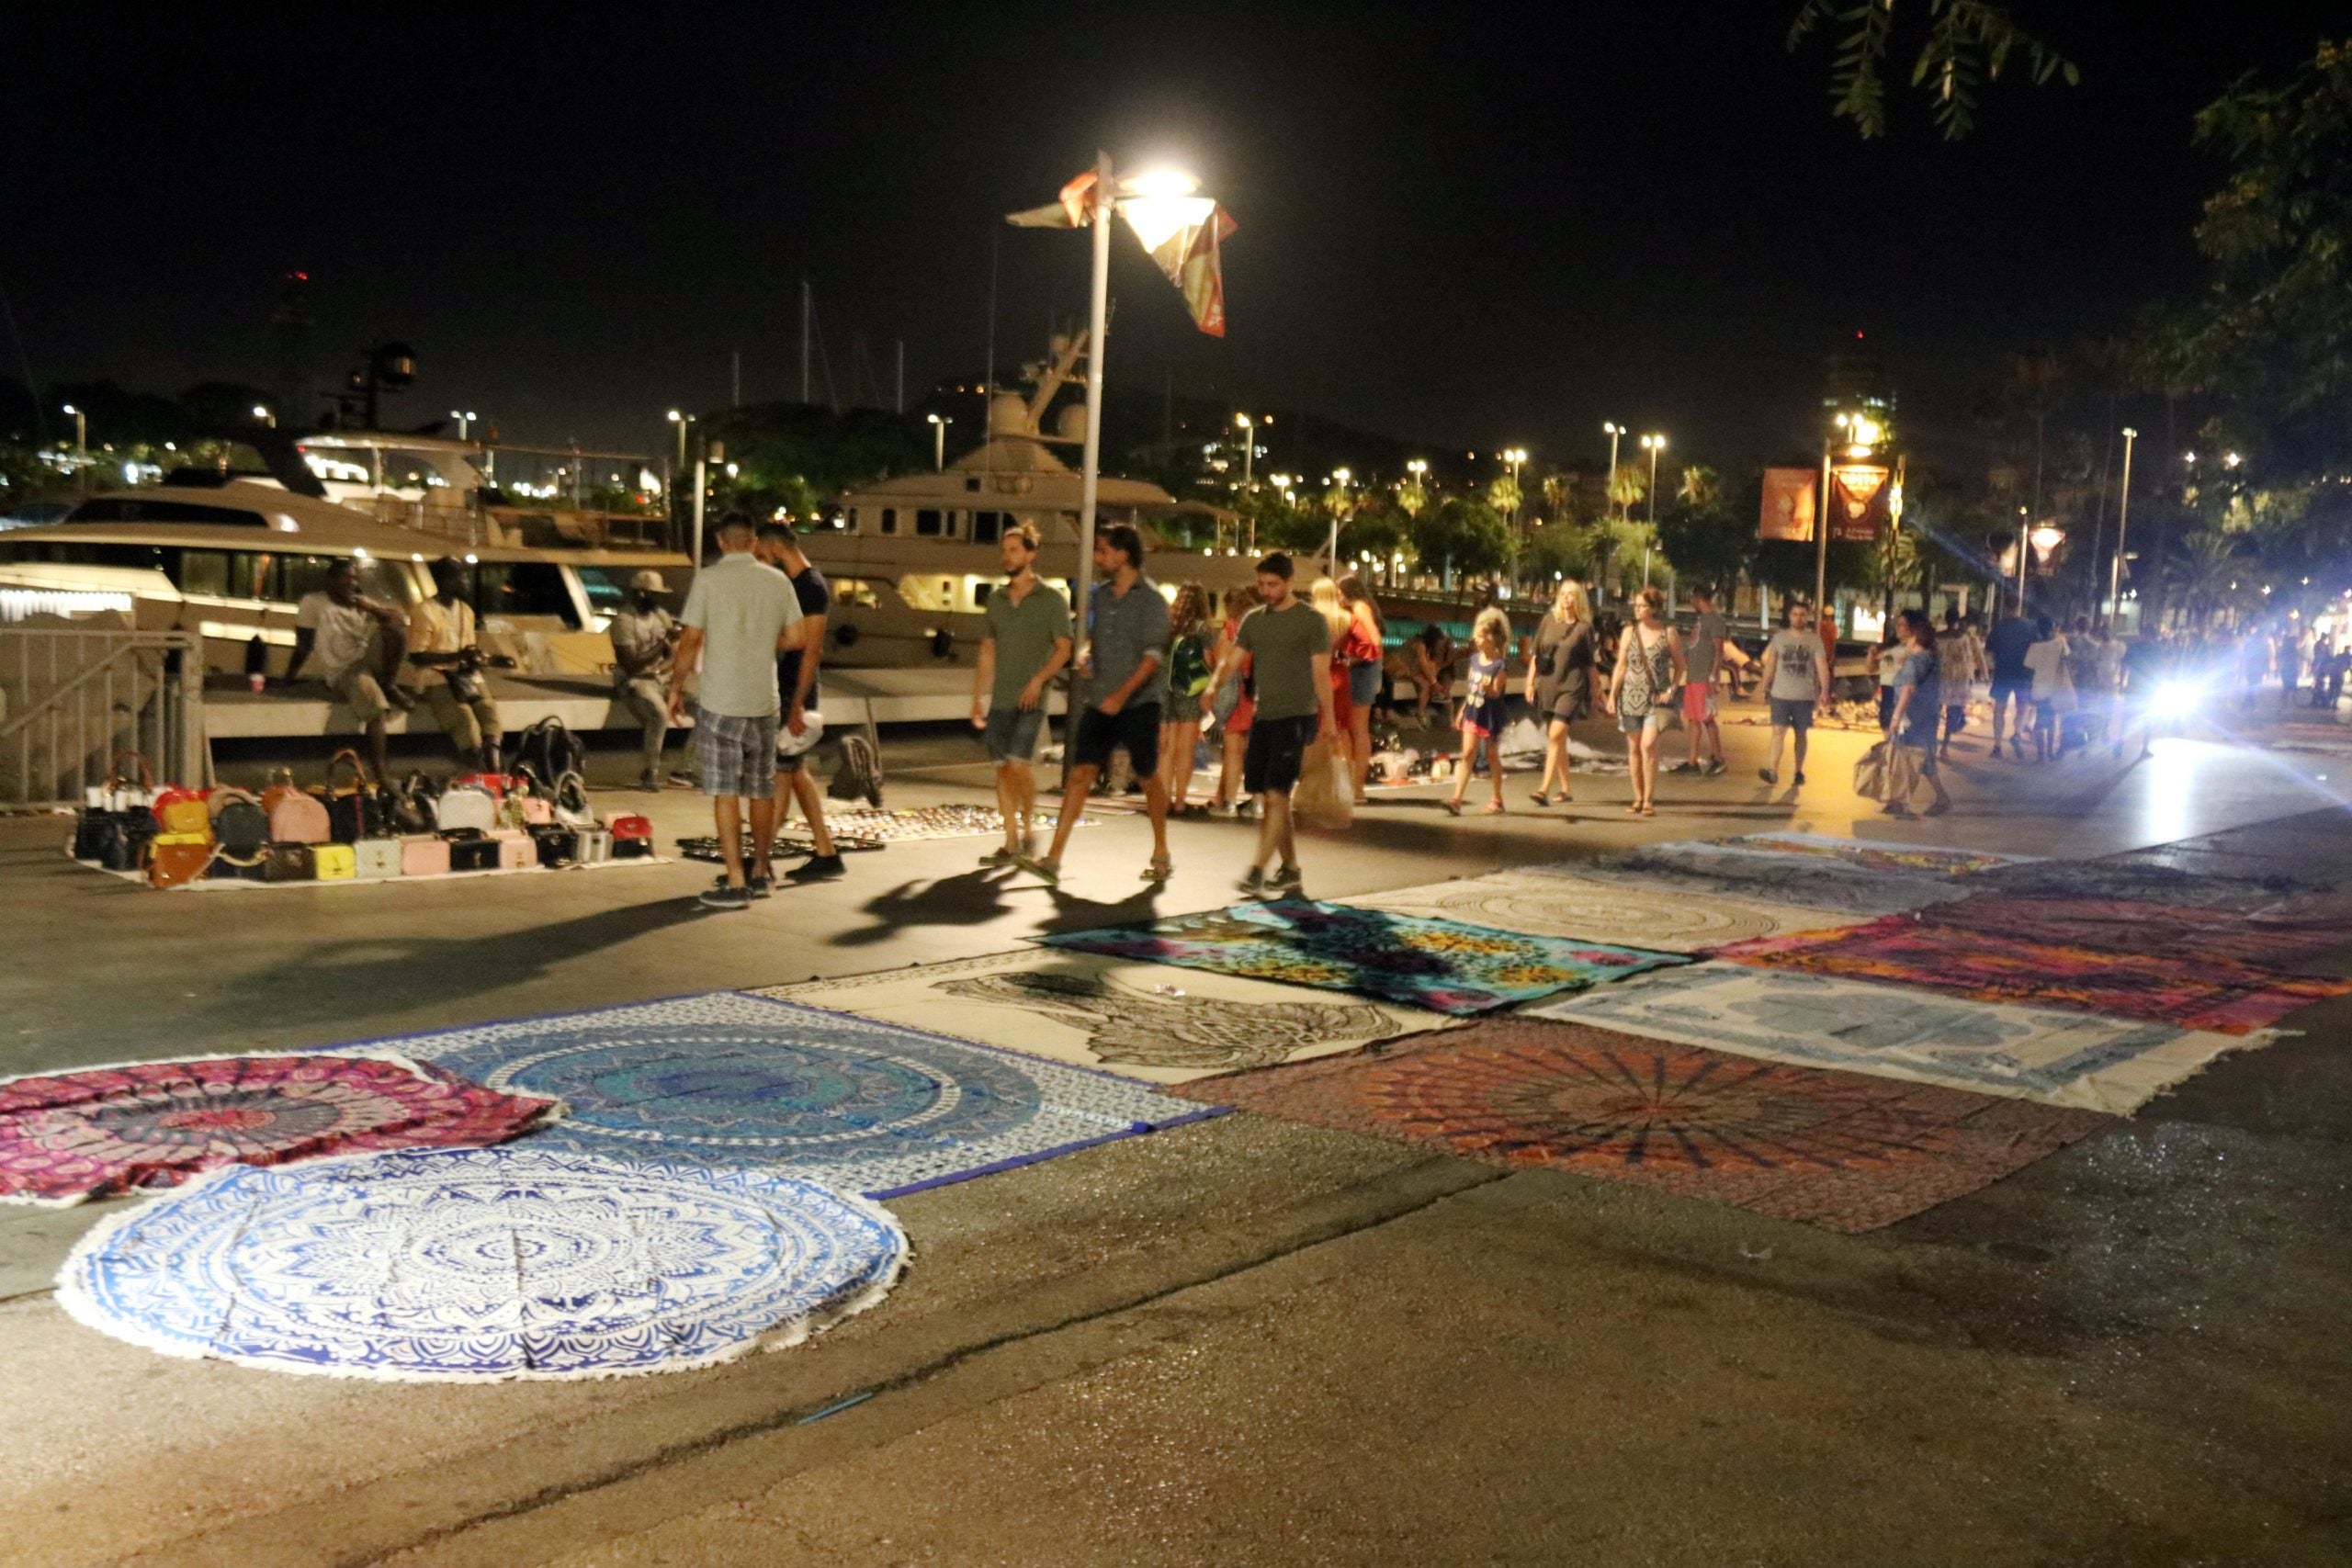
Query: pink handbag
[
  {"x": 515, "y": 849},
  {"x": 424, "y": 854},
  {"x": 297, "y": 818}
]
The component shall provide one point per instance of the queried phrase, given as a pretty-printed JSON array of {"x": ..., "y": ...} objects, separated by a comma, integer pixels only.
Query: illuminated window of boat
[
  {"x": 927, "y": 523},
  {"x": 855, "y": 593}
]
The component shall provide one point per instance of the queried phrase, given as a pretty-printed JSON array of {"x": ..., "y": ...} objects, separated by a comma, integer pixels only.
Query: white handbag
[{"x": 466, "y": 806}]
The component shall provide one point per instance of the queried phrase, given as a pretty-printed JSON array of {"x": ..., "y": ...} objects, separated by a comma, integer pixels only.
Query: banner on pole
[
  {"x": 1862, "y": 500},
  {"x": 1788, "y": 505}
]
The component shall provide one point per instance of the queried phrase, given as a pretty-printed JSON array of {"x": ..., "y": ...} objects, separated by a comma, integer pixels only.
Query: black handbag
[
  {"x": 558, "y": 843},
  {"x": 291, "y": 863},
  {"x": 97, "y": 831},
  {"x": 361, "y": 810},
  {"x": 472, "y": 851},
  {"x": 409, "y": 806}
]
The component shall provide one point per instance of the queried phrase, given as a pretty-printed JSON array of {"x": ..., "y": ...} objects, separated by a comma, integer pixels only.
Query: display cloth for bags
[
  {"x": 1553, "y": 904},
  {"x": 1443, "y": 966},
  {"x": 1703, "y": 867},
  {"x": 1836, "y": 1149},
  {"x": 1138, "y": 1020},
  {"x": 2192, "y": 990},
  {"x": 99, "y": 1132},
  {"x": 479, "y": 1264},
  {"x": 2041, "y": 1053},
  {"x": 747, "y": 1080}
]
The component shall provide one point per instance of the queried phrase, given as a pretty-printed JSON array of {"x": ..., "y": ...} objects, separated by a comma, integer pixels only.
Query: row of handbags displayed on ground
[{"x": 349, "y": 828}]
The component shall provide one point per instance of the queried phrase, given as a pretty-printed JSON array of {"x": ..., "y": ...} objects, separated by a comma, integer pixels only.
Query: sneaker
[
  {"x": 1768, "y": 775},
  {"x": 817, "y": 868},
  {"x": 1715, "y": 767},
  {"x": 649, "y": 782},
  {"x": 1253, "y": 883},
  {"x": 1287, "y": 879},
  {"x": 760, "y": 887},
  {"x": 725, "y": 897},
  {"x": 1685, "y": 766},
  {"x": 1796, "y": 778}
]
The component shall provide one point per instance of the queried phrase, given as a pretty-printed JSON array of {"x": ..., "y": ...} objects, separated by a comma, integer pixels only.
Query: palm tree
[
  {"x": 1627, "y": 487},
  {"x": 1700, "y": 485}
]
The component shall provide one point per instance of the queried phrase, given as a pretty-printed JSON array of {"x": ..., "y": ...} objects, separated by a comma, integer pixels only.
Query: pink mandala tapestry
[
  {"x": 1839, "y": 1150},
  {"x": 66, "y": 1137}
]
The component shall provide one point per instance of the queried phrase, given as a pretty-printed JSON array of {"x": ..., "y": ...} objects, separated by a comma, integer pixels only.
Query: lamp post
[
  {"x": 1614, "y": 430},
  {"x": 1331, "y": 552},
  {"x": 465, "y": 422},
  {"x": 1654, "y": 444},
  {"x": 2122, "y": 522},
  {"x": 262, "y": 412},
  {"x": 1248, "y": 428},
  {"x": 81, "y": 433},
  {"x": 938, "y": 441}
]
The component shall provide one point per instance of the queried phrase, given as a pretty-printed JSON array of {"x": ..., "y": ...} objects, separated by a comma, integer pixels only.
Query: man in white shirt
[
  {"x": 740, "y": 614},
  {"x": 359, "y": 642},
  {"x": 441, "y": 640}
]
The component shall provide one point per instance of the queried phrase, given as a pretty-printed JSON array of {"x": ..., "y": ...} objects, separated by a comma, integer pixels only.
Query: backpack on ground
[{"x": 549, "y": 750}]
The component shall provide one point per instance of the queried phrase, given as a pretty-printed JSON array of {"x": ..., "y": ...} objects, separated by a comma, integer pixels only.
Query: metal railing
[{"x": 73, "y": 701}]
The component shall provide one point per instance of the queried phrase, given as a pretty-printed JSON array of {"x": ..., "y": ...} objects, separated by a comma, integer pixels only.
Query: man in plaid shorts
[{"x": 741, "y": 613}]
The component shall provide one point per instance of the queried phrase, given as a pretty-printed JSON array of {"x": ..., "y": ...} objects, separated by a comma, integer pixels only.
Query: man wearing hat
[{"x": 643, "y": 633}]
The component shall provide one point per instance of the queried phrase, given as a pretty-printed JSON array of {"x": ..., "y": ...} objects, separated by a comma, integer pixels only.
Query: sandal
[
  {"x": 1453, "y": 809},
  {"x": 1160, "y": 869},
  {"x": 1538, "y": 798},
  {"x": 1647, "y": 810},
  {"x": 1493, "y": 808}
]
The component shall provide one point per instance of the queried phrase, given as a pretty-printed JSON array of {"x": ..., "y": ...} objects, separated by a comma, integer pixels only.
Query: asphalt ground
[{"x": 1245, "y": 1341}]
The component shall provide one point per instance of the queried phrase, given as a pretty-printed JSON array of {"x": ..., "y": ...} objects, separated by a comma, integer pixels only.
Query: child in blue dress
[{"x": 1482, "y": 707}]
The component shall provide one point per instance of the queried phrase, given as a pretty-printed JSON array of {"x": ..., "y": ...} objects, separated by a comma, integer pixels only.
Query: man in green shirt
[
  {"x": 1289, "y": 648},
  {"x": 1026, "y": 645}
]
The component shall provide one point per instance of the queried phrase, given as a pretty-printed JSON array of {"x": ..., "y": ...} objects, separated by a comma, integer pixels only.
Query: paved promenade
[{"x": 1248, "y": 1341}]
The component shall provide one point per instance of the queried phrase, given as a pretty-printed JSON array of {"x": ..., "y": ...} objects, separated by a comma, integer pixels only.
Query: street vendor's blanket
[
  {"x": 2059, "y": 1058},
  {"x": 747, "y": 1080},
  {"x": 1439, "y": 964},
  {"x": 1876, "y": 855},
  {"x": 460, "y": 1265},
  {"x": 2193, "y": 989},
  {"x": 2159, "y": 875},
  {"x": 1587, "y": 909},
  {"x": 1140, "y": 1020},
  {"x": 2139, "y": 927},
  {"x": 1817, "y": 882},
  {"x": 1836, "y": 1149},
  {"x": 100, "y": 1131}
]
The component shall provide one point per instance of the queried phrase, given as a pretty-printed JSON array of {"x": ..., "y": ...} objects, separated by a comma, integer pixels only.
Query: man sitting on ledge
[{"x": 341, "y": 623}]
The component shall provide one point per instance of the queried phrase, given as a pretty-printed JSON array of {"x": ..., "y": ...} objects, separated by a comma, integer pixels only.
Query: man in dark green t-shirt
[
  {"x": 1289, "y": 648},
  {"x": 1027, "y": 643}
]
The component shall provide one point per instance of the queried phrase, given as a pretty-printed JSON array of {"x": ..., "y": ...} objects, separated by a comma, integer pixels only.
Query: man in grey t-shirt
[
  {"x": 1123, "y": 678},
  {"x": 1288, "y": 644},
  {"x": 1704, "y": 655},
  {"x": 1792, "y": 672},
  {"x": 740, "y": 614}
]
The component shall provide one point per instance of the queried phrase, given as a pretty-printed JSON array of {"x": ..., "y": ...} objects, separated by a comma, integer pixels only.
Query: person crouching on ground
[
  {"x": 1913, "y": 722},
  {"x": 1124, "y": 675},
  {"x": 740, "y": 613},
  {"x": 344, "y": 627},
  {"x": 1649, "y": 668},
  {"x": 643, "y": 633},
  {"x": 1482, "y": 707},
  {"x": 1287, "y": 645},
  {"x": 1026, "y": 645},
  {"x": 441, "y": 633}
]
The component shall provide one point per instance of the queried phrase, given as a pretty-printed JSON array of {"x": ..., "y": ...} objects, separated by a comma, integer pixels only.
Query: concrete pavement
[{"x": 1243, "y": 1341}]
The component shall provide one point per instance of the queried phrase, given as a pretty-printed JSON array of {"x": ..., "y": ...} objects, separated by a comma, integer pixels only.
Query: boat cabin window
[
  {"x": 890, "y": 520},
  {"x": 855, "y": 593},
  {"x": 214, "y": 574},
  {"x": 927, "y": 523},
  {"x": 606, "y": 588},
  {"x": 130, "y": 509},
  {"x": 972, "y": 482},
  {"x": 523, "y": 587},
  {"x": 986, "y": 526}
]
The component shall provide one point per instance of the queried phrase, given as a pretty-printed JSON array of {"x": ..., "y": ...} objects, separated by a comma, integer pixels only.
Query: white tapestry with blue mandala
[
  {"x": 466, "y": 1265},
  {"x": 746, "y": 1080}
]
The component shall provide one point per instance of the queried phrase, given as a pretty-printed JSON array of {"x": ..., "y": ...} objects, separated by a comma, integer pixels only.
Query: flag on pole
[{"x": 1183, "y": 235}]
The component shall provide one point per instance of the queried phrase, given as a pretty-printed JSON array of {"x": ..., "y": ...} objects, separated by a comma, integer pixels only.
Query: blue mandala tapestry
[
  {"x": 859, "y": 1105},
  {"x": 1443, "y": 966},
  {"x": 483, "y": 1264}
]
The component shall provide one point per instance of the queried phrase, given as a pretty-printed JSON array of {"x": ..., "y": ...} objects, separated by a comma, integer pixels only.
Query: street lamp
[
  {"x": 2122, "y": 522},
  {"x": 261, "y": 412},
  {"x": 1331, "y": 552},
  {"x": 81, "y": 433},
  {"x": 1614, "y": 430},
  {"x": 938, "y": 424},
  {"x": 465, "y": 422},
  {"x": 680, "y": 421},
  {"x": 1248, "y": 428}
]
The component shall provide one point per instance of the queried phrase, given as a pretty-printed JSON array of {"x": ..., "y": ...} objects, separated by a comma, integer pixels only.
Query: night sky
[{"x": 1456, "y": 226}]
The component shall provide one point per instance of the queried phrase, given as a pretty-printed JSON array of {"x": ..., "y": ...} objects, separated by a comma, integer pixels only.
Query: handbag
[
  {"x": 174, "y": 858},
  {"x": 181, "y": 811},
  {"x": 412, "y": 806},
  {"x": 632, "y": 836},
  {"x": 473, "y": 854},
  {"x": 466, "y": 805},
  {"x": 514, "y": 849},
  {"x": 296, "y": 816},
  {"x": 555, "y": 844},
  {"x": 570, "y": 806},
  {"x": 1871, "y": 774},
  {"x": 280, "y": 785},
  {"x": 592, "y": 846},
  {"x": 424, "y": 854},
  {"x": 333, "y": 863},
  {"x": 375, "y": 859},
  {"x": 240, "y": 826},
  {"x": 357, "y": 811},
  {"x": 291, "y": 863}
]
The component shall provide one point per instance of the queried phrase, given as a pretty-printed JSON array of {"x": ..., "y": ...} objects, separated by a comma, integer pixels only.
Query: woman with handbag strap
[{"x": 1642, "y": 692}]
